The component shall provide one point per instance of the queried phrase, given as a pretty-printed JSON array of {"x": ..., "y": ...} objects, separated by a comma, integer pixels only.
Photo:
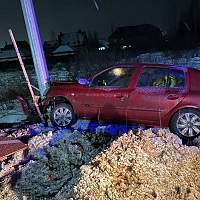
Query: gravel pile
[
  {"x": 143, "y": 166},
  {"x": 146, "y": 165},
  {"x": 6, "y": 193}
]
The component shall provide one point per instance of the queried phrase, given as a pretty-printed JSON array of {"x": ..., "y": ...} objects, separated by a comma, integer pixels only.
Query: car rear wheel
[
  {"x": 186, "y": 123},
  {"x": 62, "y": 115}
]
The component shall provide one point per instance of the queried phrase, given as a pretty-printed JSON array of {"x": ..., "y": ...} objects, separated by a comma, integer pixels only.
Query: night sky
[{"x": 70, "y": 15}]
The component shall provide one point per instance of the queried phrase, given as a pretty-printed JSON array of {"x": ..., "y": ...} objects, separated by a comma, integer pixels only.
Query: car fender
[
  {"x": 54, "y": 100},
  {"x": 169, "y": 116}
]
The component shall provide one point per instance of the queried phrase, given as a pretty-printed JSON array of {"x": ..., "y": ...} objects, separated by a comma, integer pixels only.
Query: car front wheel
[
  {"x": 186, "y": 123},
  {"x": 62, "y": 115}
]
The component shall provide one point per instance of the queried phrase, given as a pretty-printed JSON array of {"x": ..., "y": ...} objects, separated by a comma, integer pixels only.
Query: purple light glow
[{"x": 36, "y": 45}]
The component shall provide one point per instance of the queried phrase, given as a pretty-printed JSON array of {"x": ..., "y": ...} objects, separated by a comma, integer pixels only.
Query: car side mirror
[{"x": 83, "y": 81}]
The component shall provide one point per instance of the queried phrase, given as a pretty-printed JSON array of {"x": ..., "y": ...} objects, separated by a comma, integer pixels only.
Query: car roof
[{"x": 155, "y": 65}]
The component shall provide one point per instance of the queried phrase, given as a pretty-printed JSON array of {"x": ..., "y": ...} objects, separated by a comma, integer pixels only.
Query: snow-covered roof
[
  {"x": 11, "y": 55},
  {"x": 73, "y": 39},
  {"x": 8, "y": 54},
  {"x": 63, "y": 50}
]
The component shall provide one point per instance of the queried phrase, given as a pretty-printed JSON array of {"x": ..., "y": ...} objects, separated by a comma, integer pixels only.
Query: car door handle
[
  {"x": 119, "y": 96},
  {"x": 172, "y": 97}
]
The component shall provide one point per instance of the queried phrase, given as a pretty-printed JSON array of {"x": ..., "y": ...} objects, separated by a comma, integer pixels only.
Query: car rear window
[{"x": 161, "y": 77}]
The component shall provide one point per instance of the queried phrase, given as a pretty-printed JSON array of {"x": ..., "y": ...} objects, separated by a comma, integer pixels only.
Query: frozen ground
[{"x": 12, "y": 115}]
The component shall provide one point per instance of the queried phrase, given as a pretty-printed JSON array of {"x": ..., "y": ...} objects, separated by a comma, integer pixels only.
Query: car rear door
[
  {"x": 175, "y": 92},
  {"x": 155, "y": 94}
]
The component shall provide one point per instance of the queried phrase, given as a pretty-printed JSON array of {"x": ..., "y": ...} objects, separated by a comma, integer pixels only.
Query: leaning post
[{"x": 36, "y": 45}]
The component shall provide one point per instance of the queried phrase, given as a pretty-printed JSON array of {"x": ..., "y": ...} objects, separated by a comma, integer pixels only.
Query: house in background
[
  {"x": 8, "y": 55},
  {"x": 50, "y": 46},
  {"x": 103, "y": 45},
  {"x": 140, "y": 37},
  {"x": 75, "y": 40},
  {"x": 65, "y": 47},
  {"x": 63, "y": 53}
]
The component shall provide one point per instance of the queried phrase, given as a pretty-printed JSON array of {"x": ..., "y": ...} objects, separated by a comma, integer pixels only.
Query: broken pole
[
  {"x": 36, "y": 45},
  {"x": 35, "y": 102}
]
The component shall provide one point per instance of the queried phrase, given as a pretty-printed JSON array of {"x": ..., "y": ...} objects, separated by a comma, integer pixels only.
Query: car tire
[
  {"x": 62, "y": 115},
  {"x": 186, "y": 123}
]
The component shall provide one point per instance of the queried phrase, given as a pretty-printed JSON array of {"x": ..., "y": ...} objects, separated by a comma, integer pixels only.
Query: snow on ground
[{"x": 13, "y": 115}]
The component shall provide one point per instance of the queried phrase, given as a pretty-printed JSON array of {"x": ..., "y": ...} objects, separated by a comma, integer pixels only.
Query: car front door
[
  {"x": 158, "y": 91},
  {"x": 107, "y": 96}
]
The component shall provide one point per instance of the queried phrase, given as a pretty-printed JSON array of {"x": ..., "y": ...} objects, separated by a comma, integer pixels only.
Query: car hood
[
  {"x": 61, "y": 87},
  {"x": 56, "y": 83}
]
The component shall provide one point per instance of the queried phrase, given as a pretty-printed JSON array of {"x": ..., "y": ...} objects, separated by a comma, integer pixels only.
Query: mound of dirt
[
  {"x": 146, "y": 165},
  {"x": 143, "y": 166}
]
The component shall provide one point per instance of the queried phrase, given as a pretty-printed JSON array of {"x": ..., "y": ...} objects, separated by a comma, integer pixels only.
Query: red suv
[{"x": 149, "y": 94}]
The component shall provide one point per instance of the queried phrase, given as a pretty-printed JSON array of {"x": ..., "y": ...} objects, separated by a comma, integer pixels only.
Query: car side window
[
  {"x": 115, "y": 77},
  {"x": 176, "y": 78},
  {"x": 161, "y": 77}
]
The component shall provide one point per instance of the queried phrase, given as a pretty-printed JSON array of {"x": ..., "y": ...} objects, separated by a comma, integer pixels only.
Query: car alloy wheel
[
  {"x": 188, "y": 124},
  {"x": 62, "y": 115}
]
